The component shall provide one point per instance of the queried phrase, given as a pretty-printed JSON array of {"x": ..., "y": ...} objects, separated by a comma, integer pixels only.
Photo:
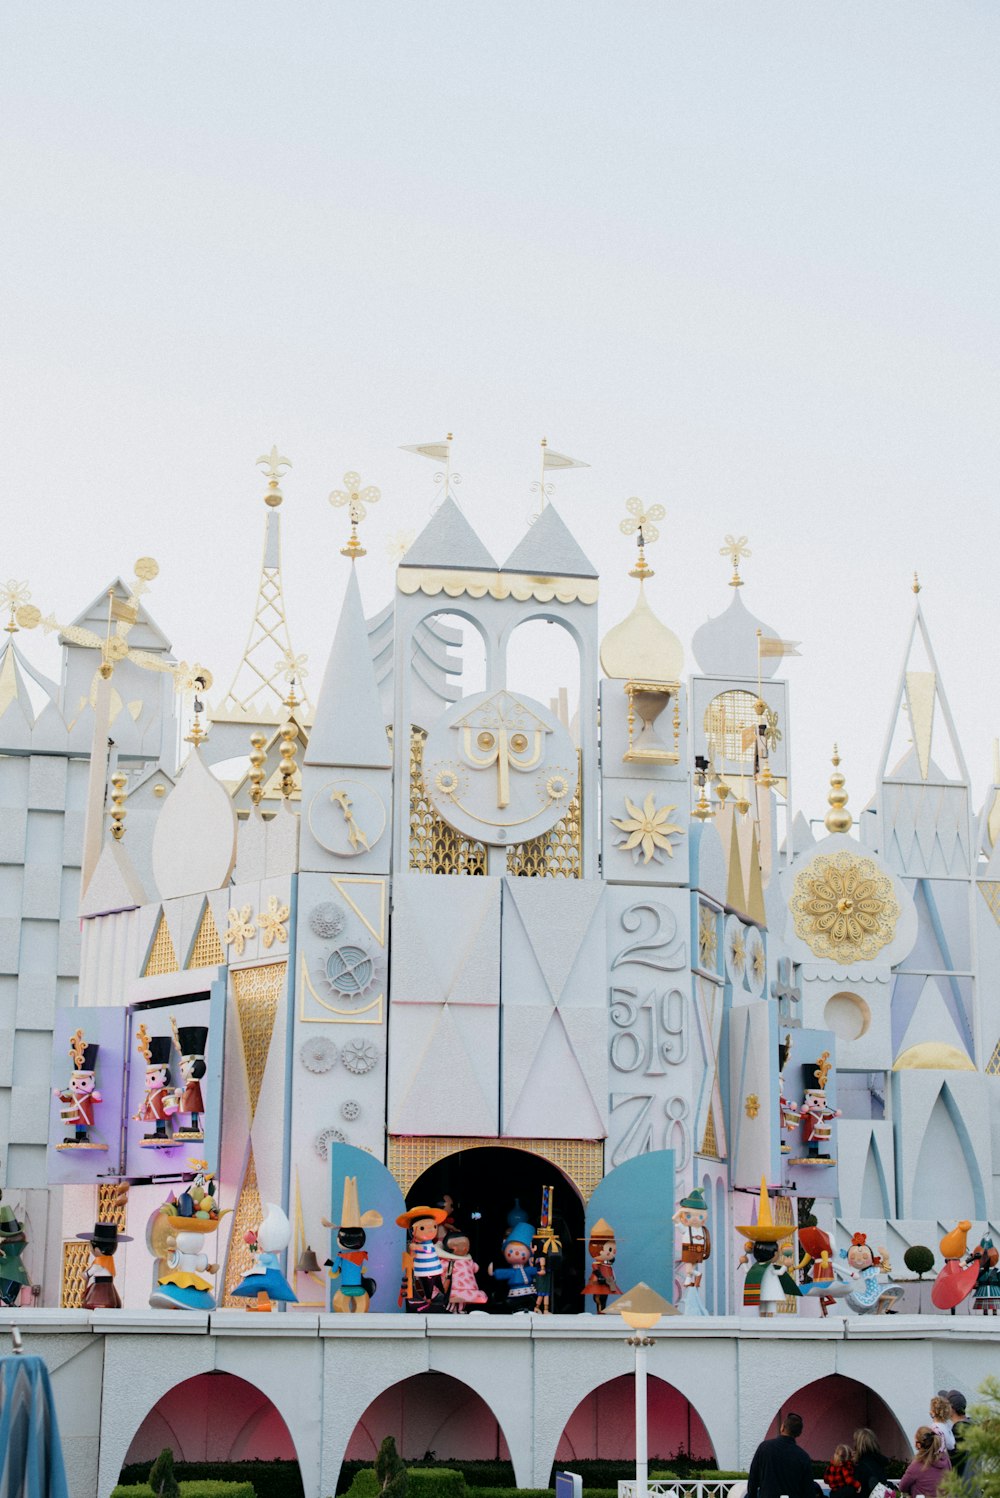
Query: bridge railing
[{"x": 676, "y": 1487}]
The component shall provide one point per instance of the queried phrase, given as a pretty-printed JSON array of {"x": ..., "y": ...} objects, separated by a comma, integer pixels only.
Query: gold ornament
[
  {"x": 735, "y": 548},
  {"x": 118, "y": 814},
  {"x": 844, "y": 907},
  {"x": 737, "y": 951},
  {"x": 837, "y": 819},
  {"x": 275, "y": 466},
  {"x": 708, "y": 938},
  {"x": 649, "y": 830},
  {"x": 256, "y": 774},
  {"x": 751, "y": 1106},
  {"x": 357, "y": 499},
  {"x": 241, "y": 928},
  {"x": 272, "y": 922},
  {"x": 641, "y": 524}
]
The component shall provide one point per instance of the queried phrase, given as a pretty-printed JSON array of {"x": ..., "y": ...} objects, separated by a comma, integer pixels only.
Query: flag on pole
[
  {"x": 438, "y": 451},
  {"x": 552, "y": 459},
  {"x": 125, "y": 613},
  {"x": 767, "y": 645}
]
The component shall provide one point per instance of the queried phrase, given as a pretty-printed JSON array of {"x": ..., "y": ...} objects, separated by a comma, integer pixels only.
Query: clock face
[
  {"x": 500, "y": 768},
  {"x": 346, "y": 817}
]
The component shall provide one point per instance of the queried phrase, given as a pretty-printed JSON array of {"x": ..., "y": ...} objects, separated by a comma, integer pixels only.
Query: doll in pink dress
[{"x": 465, "y": 1291}]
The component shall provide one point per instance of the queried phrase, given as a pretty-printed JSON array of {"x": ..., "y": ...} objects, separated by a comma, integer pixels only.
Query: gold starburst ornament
[
  {"x": 647, "y": 831},
  {"x": 844, "y": 907}
]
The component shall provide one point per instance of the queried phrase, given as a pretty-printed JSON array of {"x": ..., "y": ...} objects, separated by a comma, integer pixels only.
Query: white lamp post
[{"x": 641, "y": 1308}]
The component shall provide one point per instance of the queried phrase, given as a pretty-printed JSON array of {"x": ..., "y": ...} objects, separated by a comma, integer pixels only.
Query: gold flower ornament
[
  {"x": 648, "y": 831},
  {"x": 844, "y": 907}
]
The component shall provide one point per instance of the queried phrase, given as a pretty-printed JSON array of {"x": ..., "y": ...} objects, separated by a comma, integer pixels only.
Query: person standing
[
  {"x": 929, "y": 1466},
  {"x": 780, "y": 1468},
  {"x": 870, "y": 1466},
  {"x": 960, "y": 1420}
]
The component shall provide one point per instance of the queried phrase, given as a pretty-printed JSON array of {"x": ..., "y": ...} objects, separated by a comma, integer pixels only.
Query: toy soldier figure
[
  {"x": 190, "y": 1041},
  {"x": 80, "y": 1094},
  {"x": 816, "y": 1114},
  {"x": 159, "y": 1102}
]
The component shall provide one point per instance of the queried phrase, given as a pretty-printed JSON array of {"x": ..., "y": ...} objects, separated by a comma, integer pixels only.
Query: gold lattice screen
[
  {"x": 112, "y": 1206},
  {"x": 580, "y": 1160}
]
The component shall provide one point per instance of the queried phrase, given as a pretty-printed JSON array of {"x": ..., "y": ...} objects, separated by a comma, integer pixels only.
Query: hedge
[
  {"x": 193, "y": 1488},
  {"x": 276, "y": 1479},
  {"x": 421, "y": 1482}
]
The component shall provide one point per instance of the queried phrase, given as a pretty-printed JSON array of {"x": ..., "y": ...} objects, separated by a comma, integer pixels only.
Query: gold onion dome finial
[
  {"x": 275, "y": 466},
  {"x": 735, "y": 548},
  {"x": 838, "y": 819}
]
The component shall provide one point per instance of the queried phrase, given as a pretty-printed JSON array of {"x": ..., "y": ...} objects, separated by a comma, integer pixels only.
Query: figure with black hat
[
  {"x": 190, "y": 1041},
  {"x": 81, "y": 1095},
  {"x": 101, "y": 1293},
  {"x": 356, "y": 1289},
  {"x": 159, "y": 1103},
  {"x": 425, "y": 1282},
  {"x": 815, "y": 1112},
  {"x": 13, "y": 1242},
  {"x": 766, "y": 1284}
]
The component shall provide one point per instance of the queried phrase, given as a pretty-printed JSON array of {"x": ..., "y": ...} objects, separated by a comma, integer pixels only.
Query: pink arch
[
  {"x": 429, "y": 1412},
  {"x": 833, "y": 1408},
  {"x": 213, "y": 1417},
  {"x": 603, "y": 1424}
]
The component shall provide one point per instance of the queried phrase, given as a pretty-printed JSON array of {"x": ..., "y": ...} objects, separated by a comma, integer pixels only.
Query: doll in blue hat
[{"x": 517, "y": 1272}]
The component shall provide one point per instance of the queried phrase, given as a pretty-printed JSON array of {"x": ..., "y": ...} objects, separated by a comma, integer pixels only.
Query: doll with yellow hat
[
  {"x": 767, "y": 1282},
  {"x": 356, "y": 1289},
  {"x": 425, "y": 1280}
]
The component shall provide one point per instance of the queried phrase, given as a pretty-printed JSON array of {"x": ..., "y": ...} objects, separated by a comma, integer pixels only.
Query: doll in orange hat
[
  {"x": 602, "y": 1248},
  {"x": 425, "y": 1279}
]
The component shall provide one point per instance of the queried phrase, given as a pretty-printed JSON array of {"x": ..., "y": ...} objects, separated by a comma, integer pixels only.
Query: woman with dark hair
[
  {"x": 929, "y": 1466},
  {"x": 870, "y": 1465}
]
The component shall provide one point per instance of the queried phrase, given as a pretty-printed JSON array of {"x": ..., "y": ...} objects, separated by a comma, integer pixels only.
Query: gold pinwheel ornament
[
  {"x": 357, "y": 498},
  {"x": 647, "y": 832},
  {"x": 641, "y": 523}
]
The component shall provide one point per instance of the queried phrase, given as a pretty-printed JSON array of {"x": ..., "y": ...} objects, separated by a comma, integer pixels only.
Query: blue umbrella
[{"x": 31, "y": 1458}]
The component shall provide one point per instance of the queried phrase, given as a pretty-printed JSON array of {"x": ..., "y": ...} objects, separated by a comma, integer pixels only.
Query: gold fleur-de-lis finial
[
  {"x": 735, "y": 548},
  {"x": 357, "y": 499},
  {"x": 275, "y": 466},
  {"x": 641, "y": 523}
]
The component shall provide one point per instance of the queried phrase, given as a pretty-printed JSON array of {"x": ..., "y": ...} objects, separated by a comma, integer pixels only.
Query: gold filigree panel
[
  {"x": 247, "y": 1215},
  {"x": 75, "y": 1262},
  {"x": 580, "y": 1160},
  {"x": 990, "y": 891},
  {"x": 207, "y": 949},
  {"x": 992, "y": 1067},
  {"x": 789, "y": 1305},
  {"x": 730, "y": 725},
  {"x": 844, "y": 907},
  {"x": 558, "y": 852},
  {"x": 256, "y": 991},
  {"x": 162, "y": 957},
  {"x": 436, "y": 848}
]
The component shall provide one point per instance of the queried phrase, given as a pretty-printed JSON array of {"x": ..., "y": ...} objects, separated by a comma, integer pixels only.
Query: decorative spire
[
  {"x": 16, "y": 597},
  {"x": 200, "y": 683},
  {"x": 735, "y": 548},
  {"x": 275, "y": 466},
  {"x": 837, "y": 819},
  {"x": 640, "y": 524},
  {"x": 289, "y": 743},
  {"x": 916, "y": 583},
  {"x": 257, "y": 740},
  {"x": 357, "y": 499},
  {"x": 118, "y": 813}
]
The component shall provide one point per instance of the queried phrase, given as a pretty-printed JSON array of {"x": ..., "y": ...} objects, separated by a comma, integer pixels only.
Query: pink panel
[
  {"x": 429, "y": 1412},
  {"x": 833, "y": 1408},
  {"x": 603, "y": 1424},
  {"x": 213, "y": 1417}
]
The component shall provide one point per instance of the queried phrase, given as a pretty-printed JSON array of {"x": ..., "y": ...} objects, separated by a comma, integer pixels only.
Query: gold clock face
[
  {"x": 347, "y": 817},
  {"x": 500, "y": 768}
]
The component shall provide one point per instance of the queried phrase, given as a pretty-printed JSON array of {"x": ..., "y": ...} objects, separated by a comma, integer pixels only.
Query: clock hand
[{"x": 355, "y": 836}]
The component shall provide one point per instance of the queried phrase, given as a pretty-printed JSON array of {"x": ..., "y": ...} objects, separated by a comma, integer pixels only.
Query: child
[
  {"x": 839, "y": 1475},
  {"x": 942, "y": 1420},
  {"x": 930, "y": 1465}
]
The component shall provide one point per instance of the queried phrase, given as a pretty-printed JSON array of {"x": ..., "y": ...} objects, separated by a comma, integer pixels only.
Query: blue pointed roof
[
  {"x": 549, "y": 549},
  {"x": 448, "y": 540}
]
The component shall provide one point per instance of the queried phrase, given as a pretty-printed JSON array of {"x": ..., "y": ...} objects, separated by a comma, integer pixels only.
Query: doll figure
[
  {"x": 264, "y": 1283},
  {"x": 767, "y": 1282},
  {"x": 425, "y": 1281},
  {"x": 547, "y": 1251},
  {"x": 868, "y": 1295},
  {"x": 819, "y": 1275},
  {"x": 691, "y": 1218},
  {"x": 815, "y": 1112},
  {"x": 955, "y": 1280},
  {"x": 464, "y": 1287},
  {"x": 13, "y": 1242},
  {"x": 178, "y": 1245},
  {"x": 517, "y": 1272},
  {"x": 159, "y": 1103},
  {"x": 190, "y": 1041},
  {"x": 602, "y": 1248},
  {"x": 986, "y": 1258},
  {"x": 354, "y": 1293},
  {"x": 81, "y": 1095},
  {"x": 101, "y": 1293}
]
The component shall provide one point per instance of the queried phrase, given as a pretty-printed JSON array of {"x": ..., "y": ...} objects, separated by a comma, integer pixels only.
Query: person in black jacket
[
  {"x": 780, "y": 1468},
  {"x": 870, "y": 1466}
]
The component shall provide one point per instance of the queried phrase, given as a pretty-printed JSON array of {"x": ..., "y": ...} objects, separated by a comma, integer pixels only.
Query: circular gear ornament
[
  {"x": 350, "y": 971},
  {"x": 350, "y": 1109},
  {"x": 319, "y": 1055},
  {"x": 359, "y": 1056},
  {"x": 324, "y": 1139},
  {"x": 327, "y": 920},
  {"x": 499, "y": 768},
  {"x": 347, "y": 817}
]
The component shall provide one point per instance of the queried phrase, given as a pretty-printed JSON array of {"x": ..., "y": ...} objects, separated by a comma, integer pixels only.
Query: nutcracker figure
[
  {"x": 815, "y": 1112},
  {"x": 101, "y": 1293},
  {"x": 190, "y": 1041},
  {"x": 159, "y": 1103},
  {"x": 425, "y": 1280},
  {"x": 602, "y": 1248},
  {"x": 81, "y": 1096},
  {"x": 356, "y": 1289},
  {"x": 691, "y": 1218},
  {"x": 767, "y": 1282}
]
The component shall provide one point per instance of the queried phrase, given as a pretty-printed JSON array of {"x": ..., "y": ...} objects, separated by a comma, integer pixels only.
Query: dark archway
[
  {"x": 603, "y": 1425},
  {"x": 429, "y": 1413},
  {"x": 485, "y": 1183},
  {"x": 833, "y": 1408},
  {"x": 213, "y": 1417}
]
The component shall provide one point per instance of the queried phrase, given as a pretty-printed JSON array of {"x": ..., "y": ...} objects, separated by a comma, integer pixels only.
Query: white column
[{"x": 641, "y": 1437}]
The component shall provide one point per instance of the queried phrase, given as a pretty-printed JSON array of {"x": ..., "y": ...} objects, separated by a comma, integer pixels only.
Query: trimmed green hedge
[
  {"x": 275, "y": 1479},
  {"x": 421, "y": 1482},
  {"x": 194, "y": 1488}
]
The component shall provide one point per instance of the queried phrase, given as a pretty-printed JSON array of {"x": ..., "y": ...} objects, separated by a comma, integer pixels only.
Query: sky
[{"x": 739, "y": 257}]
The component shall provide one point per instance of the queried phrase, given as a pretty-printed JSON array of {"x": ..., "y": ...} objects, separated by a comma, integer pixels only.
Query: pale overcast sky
[{"x": 741, "y": 257}]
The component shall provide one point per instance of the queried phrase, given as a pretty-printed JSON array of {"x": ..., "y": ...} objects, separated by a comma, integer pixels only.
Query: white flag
[
  {"x": 767, "y": 645},
  {"x": 551, "y": 459},
  {"x": 436, "y": 450}
]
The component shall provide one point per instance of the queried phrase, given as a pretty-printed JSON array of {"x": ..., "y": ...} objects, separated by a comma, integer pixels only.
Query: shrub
[
  {"x": 268, "y": 1479},
  {"x": 919, "y": 1260},
  {"x": 390, "y": 1474},
  {"x": 980, "y": 1441},
  {"x": 161, "y": 1475},
  {"x": 421, "y": 1482},
  {"x": 197, "y": 1488}
]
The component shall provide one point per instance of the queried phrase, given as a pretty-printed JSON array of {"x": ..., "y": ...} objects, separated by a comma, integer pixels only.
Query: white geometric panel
[
  {"x": 445, "y": 941},
  {"x": 443, "y": 1071},
  {"x": 558, "y": 925},
  {"x": 553, "y": 1099},
  {"x": 931, "y": 1021},
  {"x": 753, "y": 1067},
  {"x": 927, "y": 829}
]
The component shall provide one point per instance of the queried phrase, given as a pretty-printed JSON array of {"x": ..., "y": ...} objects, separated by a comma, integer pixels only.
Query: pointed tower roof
[
  {"x": 921, "y": 696},
  {"x": 349, "y": 728},
  {"x": 448, "y": 540},
  {"x": 548, "y": 548},
  {"x": 13, "y": 687},
  {"x": 259, "y": 685}
]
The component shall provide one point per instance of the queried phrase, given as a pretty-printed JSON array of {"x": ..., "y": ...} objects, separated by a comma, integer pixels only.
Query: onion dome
[
  {"x": 727, "y": 644},
  {"x": 641, "y": 647}
]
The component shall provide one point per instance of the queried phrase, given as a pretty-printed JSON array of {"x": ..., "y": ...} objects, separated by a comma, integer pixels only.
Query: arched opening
[
  {"x": 213, "y": 1417},
  {"x": 429, "y": 1414},
  {"x": 464, "y": 643},
  {"x": 847, "y": 1015},
  {"x": 543, "y": 660},
  {"x": 833, "y": 1408},
  {"x": 603, "y": 1425},
  {"x": 486, "y": 1184}
]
